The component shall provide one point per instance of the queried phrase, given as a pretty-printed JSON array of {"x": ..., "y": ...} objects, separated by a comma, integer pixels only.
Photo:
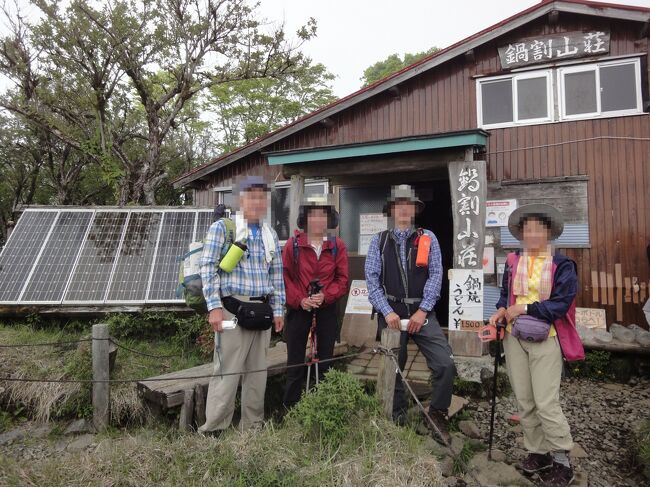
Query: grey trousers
[{"x": 433, "y": 344}]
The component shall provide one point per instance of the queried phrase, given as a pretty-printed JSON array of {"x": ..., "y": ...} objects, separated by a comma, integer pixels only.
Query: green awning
[{"x": 456, "y": 139}]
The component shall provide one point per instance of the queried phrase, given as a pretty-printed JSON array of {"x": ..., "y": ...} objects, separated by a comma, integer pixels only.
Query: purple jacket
[{"x": 559, "y": 308}]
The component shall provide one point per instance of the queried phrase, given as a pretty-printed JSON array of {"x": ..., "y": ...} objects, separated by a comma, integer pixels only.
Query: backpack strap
[{"x": 296, "y": 250}]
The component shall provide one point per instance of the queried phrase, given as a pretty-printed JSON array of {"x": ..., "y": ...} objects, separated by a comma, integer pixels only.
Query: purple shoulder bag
[{"x": 530, "y": 329}]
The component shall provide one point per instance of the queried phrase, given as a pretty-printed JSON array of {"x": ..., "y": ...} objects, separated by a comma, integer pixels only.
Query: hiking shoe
[
  {"x": 536, "y": 462},
  {"x": 558, "y": 476},
  {"x": 439, "y": 418}
]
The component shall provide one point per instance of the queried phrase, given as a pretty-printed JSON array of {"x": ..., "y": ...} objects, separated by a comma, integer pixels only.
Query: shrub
[{"x": 333, "y": 408}]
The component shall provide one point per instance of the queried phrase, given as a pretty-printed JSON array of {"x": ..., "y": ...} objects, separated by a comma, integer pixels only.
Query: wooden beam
[
  {"x": 199, "y": 405},
  {"x": 610, "y": 288},
  {"x": 628, "y": 289},
  {"x": 393, "y": 91},
  {"x": 469, "y": 56},
  {"x": 553, "y": 17},
  {"x": 187, "y": 411},
  {"x": 594, "y": 286},
  {"x": 619, "y": 291},
  {"x": 101, "y": 390},
  {"x": 603, "y": 287},
  {"x": 296, "y": 192}
]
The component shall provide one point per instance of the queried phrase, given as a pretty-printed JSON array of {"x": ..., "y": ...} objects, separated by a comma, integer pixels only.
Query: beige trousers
[
  {"x": 238, "y": 350},
  {"x": 535, "y": 372}
]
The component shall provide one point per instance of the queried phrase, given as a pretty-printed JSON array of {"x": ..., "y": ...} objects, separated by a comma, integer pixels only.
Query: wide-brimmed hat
[
  {"x": 403, "y": 192},
  {"x": 323, "y": 201},
  {"x": 541, "y": 210}
]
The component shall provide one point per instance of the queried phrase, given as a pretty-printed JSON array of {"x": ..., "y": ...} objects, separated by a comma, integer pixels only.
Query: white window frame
[
  {"x": 596, "y": 68},
  {"x": 543, "y": 73}
]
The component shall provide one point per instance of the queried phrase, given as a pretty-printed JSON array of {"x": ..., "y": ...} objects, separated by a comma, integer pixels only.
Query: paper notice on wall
[
  {"x": 497, "y": 212},
  {"x": 371, "y": 223},
  {"x": 358, "y": 299},
  {"x": 364, "y": 243},
  {"x": 465, "y": 298},
  {"x": 591, "y": 317}
]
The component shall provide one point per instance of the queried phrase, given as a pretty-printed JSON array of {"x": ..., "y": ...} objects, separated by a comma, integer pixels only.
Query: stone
[
  {"x": 78, "y": 427},
  {"x": 447, "y": 467},
  {"x": 469, "y": 368},
  {"x": 496, "y": 473},
  {"x": 622, "y": 333},
  {"x": 498, "y": 456},
  {"x": 457, "y": 442},
  {"x": 436, "y": 448},
  {"x": 578, "y": 452},
  {"x": 581, "y": 479},
  {"x": 602, "y": 336},
  {"x": 469, "y": 429},
  {"x": 82, "y": 442},
  {"x": 40, "y": 431},
  {"x": 10, "y": 436}
]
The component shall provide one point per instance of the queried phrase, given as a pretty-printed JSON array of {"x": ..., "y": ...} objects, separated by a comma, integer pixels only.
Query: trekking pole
[
  {"x": 314, "y": 288},
  {"x": 497, "y": 355}
]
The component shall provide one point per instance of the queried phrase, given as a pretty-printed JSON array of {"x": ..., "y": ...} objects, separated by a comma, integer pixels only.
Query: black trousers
[
  {"x": 296, "y": 334},
  {"x": 436, "y": 350}
]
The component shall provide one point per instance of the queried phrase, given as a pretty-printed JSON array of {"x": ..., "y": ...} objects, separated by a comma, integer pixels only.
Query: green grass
[{"x": 51, "y": 400}]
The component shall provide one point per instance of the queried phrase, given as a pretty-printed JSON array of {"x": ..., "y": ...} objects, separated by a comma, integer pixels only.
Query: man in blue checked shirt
[
  {"x": 404, "y": 294},
  {"x": 257, "y": 275}
]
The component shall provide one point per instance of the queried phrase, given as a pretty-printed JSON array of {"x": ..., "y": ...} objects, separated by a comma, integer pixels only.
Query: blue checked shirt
[
  {"x": 251, "y": 277},
  {"x": 376, "y": 294}
]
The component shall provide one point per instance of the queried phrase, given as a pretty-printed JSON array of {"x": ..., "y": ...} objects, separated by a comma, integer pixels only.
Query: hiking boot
[
  {"x": 536, "y": 462},
  {"x": 558, "y": 476},
  {"x": 439, "y": 418}
]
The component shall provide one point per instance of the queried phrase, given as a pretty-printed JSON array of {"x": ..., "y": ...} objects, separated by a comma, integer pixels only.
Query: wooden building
[{"x": 554, "y": 99}]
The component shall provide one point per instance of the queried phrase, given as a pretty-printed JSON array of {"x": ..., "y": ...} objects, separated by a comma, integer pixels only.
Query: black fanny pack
[{"x": 250, "y": 315}]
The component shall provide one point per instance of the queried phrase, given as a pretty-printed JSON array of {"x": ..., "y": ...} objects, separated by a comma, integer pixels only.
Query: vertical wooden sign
[{"x": 468, "y": 182}]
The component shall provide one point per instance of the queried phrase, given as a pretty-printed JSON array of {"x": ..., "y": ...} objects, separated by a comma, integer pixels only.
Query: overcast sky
[{"x": 353, "y": 34}]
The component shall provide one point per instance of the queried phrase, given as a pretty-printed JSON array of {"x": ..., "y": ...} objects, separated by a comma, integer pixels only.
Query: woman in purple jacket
[{"x": 537, "y": 298}]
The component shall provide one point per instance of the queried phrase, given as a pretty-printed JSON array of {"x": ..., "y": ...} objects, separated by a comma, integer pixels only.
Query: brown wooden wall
[{"x": 444, "y": 100}]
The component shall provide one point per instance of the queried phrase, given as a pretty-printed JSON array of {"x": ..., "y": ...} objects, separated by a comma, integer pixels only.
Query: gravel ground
[{"x": 602, "y": 417}]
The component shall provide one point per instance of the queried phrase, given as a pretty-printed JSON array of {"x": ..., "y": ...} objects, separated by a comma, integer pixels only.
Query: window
[
  {"x": 581, "y": 91},
  {"x": 279, "y": 211},
  {"x": 517, "y": 99},
  {"x": 603, "y": 89}
]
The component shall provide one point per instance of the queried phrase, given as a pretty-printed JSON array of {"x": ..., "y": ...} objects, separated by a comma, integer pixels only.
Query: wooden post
[
  {"x": 199, "y": 405},
  {"x": 387, "y": 371},
  {"x": 296, "y": 192},
  {"x": 187, "y": 411},
  {"x": 101, "y": 390}
]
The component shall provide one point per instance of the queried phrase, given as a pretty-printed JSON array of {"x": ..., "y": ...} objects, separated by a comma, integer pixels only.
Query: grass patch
[
  {"x": 643, "y": 448},
  {"x": 47, "y": 401}
]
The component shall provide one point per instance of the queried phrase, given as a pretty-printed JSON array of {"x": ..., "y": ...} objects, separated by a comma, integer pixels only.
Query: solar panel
[
  {"x": 22, "y": 250},
  {"x": 53, "y": 269},
  {"x": 131, "y": 276},
  {"x": 203, "y": 224},
  {"x": 96, "y": 261},
  {"x": 175, "y": 236}
]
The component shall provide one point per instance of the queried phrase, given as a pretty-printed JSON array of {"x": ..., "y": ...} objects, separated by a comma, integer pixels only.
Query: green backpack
[{"x": 190, "y": 286}]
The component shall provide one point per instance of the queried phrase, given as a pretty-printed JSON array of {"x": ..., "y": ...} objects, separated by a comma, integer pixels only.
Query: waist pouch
[
  {"x": 250, "y": 315},
  {"x": 530, "y": 329}
]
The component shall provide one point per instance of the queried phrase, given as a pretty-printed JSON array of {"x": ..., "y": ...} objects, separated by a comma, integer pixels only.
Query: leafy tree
[
  {"x": 113, "y": 79},
  {"x": 251, "y": 108},
  {"x": 391, "y": 64}
]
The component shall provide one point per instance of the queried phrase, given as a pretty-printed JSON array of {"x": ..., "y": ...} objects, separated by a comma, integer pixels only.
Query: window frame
[
  {"x": 556, "y": 92},
  {"x": 514, "y": 78},
  {"x": 636, "y": 62}
]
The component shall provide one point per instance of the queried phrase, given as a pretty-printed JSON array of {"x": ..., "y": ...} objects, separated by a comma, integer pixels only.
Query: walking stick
[
  {"x": 491, "y": 333},
  {"x": 314, "y": 288}
]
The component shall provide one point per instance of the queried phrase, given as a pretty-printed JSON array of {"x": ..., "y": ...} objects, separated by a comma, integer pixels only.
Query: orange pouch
[{"x": 422, "y": 259}]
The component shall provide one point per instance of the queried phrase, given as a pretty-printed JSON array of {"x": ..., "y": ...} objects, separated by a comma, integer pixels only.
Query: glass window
[
  {"x": 496, "y": 101},
  {"x": 532, "y": 98},
  {"x": 280, "y": 202},
  {"x": 354, "y": 202},
  {"x": 618, "y": 89},
  {"x": 580, "y": 93}
]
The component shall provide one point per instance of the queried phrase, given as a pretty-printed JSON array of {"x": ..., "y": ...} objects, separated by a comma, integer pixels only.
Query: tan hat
[
  {"x": 541, "y": 210},
  {"x": 403, "y": 192}
]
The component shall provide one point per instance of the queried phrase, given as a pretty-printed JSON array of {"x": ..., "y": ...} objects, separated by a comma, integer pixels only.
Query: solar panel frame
[
  {"x": 55, "y": 224},
  {"x": 13, "y": 236},
  {"x": 191, "y": 226}
]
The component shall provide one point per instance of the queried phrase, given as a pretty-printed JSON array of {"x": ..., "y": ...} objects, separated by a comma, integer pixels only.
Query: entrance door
[{"x": 437, "y": 217}]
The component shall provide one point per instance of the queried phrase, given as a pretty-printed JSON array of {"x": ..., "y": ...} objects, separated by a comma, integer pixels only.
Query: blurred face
[
  {"x": 254, "y": 204},
  {"x": 536, "y": 234},
  {"x": 403, "y": 213},
  {"x": 316, "y": 221}
]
